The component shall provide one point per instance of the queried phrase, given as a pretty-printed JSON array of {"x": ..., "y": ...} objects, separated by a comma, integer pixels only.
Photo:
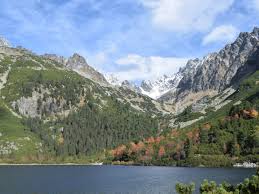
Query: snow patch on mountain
[
  {"x": 160, "y": 86},
  {"x": 152, "y": 88}
]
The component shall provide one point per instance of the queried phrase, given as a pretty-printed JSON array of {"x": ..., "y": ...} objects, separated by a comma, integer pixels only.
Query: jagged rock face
[
  {"x": 4, "y": 42},
  {"x": 34, "y": 106},
  {"x": 146, "y": 85},
  {"x": 188, "y": 72},
  {"x": 130, "y": 86},
  {"x": 58, "y": 59},
  {"x": 79, "y": 64},
  {"x": 215, "y": 71},
  {"x": 76, "y": 62}
]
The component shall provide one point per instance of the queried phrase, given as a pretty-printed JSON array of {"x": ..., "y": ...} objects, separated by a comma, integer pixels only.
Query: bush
[
  {"x": 185, "y": 188},
  {"x": 249, "y": 186}
]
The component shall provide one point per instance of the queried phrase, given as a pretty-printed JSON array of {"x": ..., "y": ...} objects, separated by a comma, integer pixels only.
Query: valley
[{"x": 61, "y": 110}]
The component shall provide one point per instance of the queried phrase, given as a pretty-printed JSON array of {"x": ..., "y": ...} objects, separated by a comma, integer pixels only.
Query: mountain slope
[
  {"x": 214, "y": 72},
  {"x": 203, "y": 77},
  {"x": 222, "y": 138},
  {"x": 57, "y": 108},
  {"x": 65, "y": 112}
]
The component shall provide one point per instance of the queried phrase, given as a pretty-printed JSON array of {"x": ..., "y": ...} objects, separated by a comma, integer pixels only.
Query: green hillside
[
  {"x": 44, "y": 104},
  {"x": 223, "y": 138},
  {"x": 49, "y": 113},
  {"x": 16, "y": 140}
]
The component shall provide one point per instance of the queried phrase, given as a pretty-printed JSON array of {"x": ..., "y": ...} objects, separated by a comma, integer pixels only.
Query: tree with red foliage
[{"x": 161, "y": 152}]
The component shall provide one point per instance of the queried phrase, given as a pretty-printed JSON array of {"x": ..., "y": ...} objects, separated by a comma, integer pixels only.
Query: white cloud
[
  {"x": 186, "y": 15},
  {"x": 222, "y": 34},
  {"x": 148, "y": 67}
]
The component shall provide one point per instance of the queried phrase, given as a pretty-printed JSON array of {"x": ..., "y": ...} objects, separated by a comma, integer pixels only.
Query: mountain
[
  {"x": 152, "y": 88},
  {"x": 55, "y": 107},
  {"x": 61, "y": 109},
  {"x": 4, "y": 42},
  {"x": 112, "y": 79},
  {"x": 78, "y": 63},
  {"x": 222, "y": 136},
  {"x": 203, "y": 77},
  {"x": 214, "y": 72},
  {"x": 160, "y": 86}
]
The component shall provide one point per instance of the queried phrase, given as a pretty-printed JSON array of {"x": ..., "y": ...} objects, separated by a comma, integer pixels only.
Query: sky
[{"x": 132, "y": 39}]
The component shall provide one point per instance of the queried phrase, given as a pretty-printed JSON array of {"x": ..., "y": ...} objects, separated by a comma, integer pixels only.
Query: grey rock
[
  {"x": 4, "y": 42},
  {"x": 79, "y": 64},
  {"x": 59, "y": 59},
  {"x": 216, "y": 71}
]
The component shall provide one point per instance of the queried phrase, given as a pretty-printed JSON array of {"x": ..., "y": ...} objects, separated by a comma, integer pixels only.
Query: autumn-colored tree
[
  {"x": 246, "y": 113},
  {"x": 253, "y": 113},
  {"x": 149, "y": 151},
  {"x": 140, "y": 146},
  {"x": 150, "y": 140},
  {"x": 132, "y": 148},
  {"x": 161, "y": 151},
  {"x": 119, "y": 151}
]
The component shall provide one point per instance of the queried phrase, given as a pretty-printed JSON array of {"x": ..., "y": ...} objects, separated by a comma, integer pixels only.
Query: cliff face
[
  {"x": 215, "y": 72},
  {"x": 78, "y": 63}
]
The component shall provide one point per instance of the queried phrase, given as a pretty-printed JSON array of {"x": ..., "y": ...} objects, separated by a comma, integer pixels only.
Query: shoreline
[
  {"x": 101, "y": 164},
  {"x": 39, "y": 164},
  {"x": 50, "y": 164}
]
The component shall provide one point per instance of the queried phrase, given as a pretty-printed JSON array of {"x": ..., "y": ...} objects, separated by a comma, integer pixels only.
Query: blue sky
[{"x": 133, "y": 39}]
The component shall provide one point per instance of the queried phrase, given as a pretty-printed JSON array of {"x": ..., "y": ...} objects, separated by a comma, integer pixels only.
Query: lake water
[{"x": 108, "y": 179}]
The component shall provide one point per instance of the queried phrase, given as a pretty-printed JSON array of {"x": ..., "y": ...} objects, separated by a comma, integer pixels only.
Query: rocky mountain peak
[
  {"x": 78, "y": 63},
  {"x": 54, "y": 57},
  {"x": 214, "y": 72},
  {"x": 210, "y": 74}
]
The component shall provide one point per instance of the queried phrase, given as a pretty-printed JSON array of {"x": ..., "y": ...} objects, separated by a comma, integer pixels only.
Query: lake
[{"x": 108, "y": 179}]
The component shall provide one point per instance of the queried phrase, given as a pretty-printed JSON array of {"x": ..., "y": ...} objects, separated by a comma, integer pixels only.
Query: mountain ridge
[{"x": 201, "y": 77}]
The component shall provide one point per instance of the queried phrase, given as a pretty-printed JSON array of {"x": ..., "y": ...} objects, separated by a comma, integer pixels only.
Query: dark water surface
[{"x": 108, "y": 179}]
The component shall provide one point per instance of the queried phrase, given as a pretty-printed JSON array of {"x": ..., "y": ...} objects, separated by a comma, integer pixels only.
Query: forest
[
  {"x": 92, "y": 129},
  {"x": 223, "y": 142}
]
